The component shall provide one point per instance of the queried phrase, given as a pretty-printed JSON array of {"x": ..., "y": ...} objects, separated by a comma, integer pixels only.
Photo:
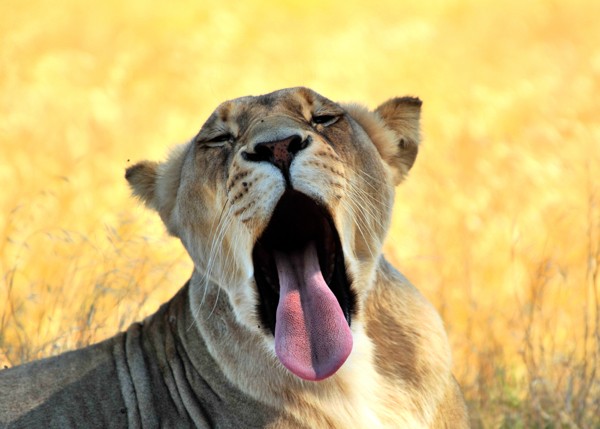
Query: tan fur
[
  {"x": 218, "y": 200},
  {"x": 399, "y": 374},
  {"x": 395, "y": 121}
]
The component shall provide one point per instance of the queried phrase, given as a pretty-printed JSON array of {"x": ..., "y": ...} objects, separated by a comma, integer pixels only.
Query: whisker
[
  {"x": 225, "y": 276},
  {"x": 370, "y": 196},
  {"x": 374, "y": 179},
  {"x": 366, "y": 205},
  {"x": 223, "y": 223},
  {"x": 359, "y": 222}
]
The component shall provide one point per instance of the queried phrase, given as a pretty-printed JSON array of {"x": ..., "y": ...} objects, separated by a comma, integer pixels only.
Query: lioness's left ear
[
  {"x": 394, "y": 130},
  {"x": 402, "y": 116}
]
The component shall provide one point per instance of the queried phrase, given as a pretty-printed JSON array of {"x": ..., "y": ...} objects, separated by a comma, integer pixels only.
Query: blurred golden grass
[{"x": 498, "y": 225}]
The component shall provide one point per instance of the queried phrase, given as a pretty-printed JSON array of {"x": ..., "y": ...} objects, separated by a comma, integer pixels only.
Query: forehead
[{"x": 300, "y": 101}]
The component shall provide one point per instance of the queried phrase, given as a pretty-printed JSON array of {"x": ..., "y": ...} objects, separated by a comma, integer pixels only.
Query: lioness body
[{"x": 215, "y": 355}]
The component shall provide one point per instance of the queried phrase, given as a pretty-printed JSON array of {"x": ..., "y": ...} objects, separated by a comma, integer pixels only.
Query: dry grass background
[{"x": 498, "y": 225}]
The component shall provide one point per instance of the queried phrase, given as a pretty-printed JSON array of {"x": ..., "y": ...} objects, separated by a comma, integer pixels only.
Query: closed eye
[
  {"x": 219, "y": 140},
  {"x": 324, "y": 120}
]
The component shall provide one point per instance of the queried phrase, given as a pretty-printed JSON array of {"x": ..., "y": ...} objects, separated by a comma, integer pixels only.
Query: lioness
[{"x": 292, "y": 317}]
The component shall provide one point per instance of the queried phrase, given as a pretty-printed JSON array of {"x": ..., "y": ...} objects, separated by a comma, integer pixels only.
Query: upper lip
[{"x": 297, "y": 220}]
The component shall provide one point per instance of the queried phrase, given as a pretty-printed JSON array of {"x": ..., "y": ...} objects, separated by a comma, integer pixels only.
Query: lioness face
[{"x": 283, "y": 201}]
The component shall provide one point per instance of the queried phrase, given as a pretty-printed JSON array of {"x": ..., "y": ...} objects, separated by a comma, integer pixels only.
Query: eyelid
[
  {"x": 214, "y": 144},
  {"x": 325, "y": 118},
  {"x": 220, "y": 138},
  {"x": 216, "y": 140}
]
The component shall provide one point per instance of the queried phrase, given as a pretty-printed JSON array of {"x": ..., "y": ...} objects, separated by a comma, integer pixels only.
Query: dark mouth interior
[{"x": 296, "y": 221}]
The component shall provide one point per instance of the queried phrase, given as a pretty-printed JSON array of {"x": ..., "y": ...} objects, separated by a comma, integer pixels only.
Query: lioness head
[{"x": 283, "y": 200}]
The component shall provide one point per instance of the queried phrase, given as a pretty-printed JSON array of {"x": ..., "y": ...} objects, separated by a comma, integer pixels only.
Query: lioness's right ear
[{"x": 142, "y": 178}]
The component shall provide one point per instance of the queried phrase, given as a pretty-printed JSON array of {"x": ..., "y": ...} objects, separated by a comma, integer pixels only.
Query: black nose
[{"x": 279, "y": 153}]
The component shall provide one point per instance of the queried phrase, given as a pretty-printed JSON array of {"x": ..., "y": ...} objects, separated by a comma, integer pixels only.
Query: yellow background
[{"x": 498, "y": 223}]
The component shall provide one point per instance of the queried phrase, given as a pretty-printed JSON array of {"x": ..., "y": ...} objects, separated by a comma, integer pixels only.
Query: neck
[
  {"x": 242, "y": 354},
  {"x": 185, "y": 366},
  {"x": 247, "y": 359}
]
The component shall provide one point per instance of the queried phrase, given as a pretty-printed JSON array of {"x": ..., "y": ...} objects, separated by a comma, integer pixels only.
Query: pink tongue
[{"x": 312, "y": 336}]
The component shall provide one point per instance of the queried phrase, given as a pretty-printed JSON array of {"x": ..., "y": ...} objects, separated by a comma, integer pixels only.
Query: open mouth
[{"x": 305, "y": 295}]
